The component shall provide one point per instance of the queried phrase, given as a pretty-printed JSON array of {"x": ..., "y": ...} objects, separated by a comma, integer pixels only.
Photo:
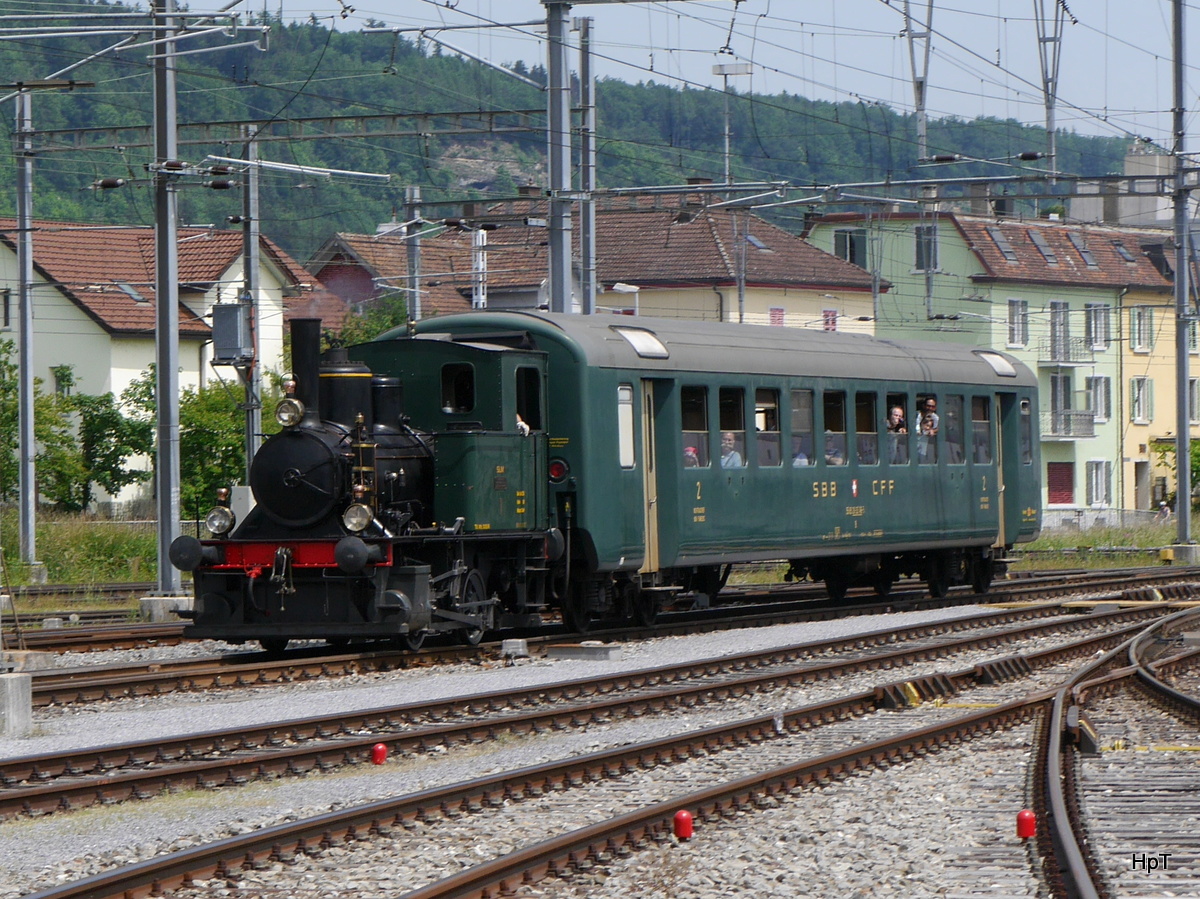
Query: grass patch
[
  {"x": 1102, "y": 547},
  {"x": 78, "y": 549}
]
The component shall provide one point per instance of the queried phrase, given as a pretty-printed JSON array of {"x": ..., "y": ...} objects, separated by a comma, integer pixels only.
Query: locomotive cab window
[
  {"x": 529, "y": 396},
  {"x": 625, "y": 425},
  {"x": 866, "y": 427},
  {"x": 766, "y": 427},
  {"x": 835, "y": 427},
  {"x": 897, "y": 429},
  {"x": 802, "y": 428},
  {"x": 458, "y": 388},
  {"x": 954, "y": 426},
  {"x": 731, "y": 402},
  {"x": 981, "y": 430}
]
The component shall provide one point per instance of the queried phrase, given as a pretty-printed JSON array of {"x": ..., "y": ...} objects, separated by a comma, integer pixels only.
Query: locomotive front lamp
[
  {"x": 289, "y": 412},
  {"x": 220, "y": 520},
  {"x": 357, "y": 516}
]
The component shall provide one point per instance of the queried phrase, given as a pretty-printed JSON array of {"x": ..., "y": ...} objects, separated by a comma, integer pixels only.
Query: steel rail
[{"x": 49, "y": 783}]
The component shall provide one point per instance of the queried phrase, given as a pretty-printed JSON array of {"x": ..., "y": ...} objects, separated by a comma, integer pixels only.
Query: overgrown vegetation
[
  {"x": 1101, "y": 547},
  {"x": 80, "y": 549}
]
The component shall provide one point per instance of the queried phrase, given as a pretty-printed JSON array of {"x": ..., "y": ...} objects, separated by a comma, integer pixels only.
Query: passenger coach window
[
  {"x": 866, "y": 426},
  {"x": 897, "y": 429},
  {"x": 954, "y": 424},
  {"x": 835, "y": 427},
  {"x": 625, "y": 425},
  {"x": 1026, "y": 433},
  {"x": 693, "y": 403},
  {"x": 929, "y": 422},
  {"x": 458, "y": 388},
  {"x": 981, "y": 429},
  {"x": 802, "y": 428},
  {"x": 766, "y": 426},
  {"x": 732, "y": 408}
]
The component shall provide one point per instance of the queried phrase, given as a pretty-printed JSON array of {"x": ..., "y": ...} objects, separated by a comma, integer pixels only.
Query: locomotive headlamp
[
  {"x": 289, "y": 412},
  {"x": 557, "y": 469},
  {"x": 220, "y": 520},
  {"x": 357, "y": 516}
]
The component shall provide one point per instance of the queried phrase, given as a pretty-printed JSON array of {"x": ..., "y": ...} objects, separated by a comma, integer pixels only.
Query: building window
[
  {"x": 1099, "y": 484},
  {"x": 1081, "y": 247},
  {"x": 1194, "y": 400},
  {"x": 1039, "y": 241},
  {"x": 1099, "y": 394},
  {"x": 1123, "y": 251},
  {"x": 1141, "y": 324},
  {"x": 6, "y": 298},
  {"x": 64, "y": 379},
  {"x": 851, "y": 244},
  {"x": 1141, "y": 400},
  {"x": 1096, "y": 325},
  {"x": 1060, "y": 483},
  {"x": 1018, "y": 323},
  {"x": 829, "y": 319},
  {"x": 1002, "y": 243},
  {"x": 926, "y": 248},
  {"x": 1193, "y": 337}
]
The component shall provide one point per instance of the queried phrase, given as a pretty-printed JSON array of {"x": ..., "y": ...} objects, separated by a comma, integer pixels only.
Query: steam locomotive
[{"x": 477, "y": 472}]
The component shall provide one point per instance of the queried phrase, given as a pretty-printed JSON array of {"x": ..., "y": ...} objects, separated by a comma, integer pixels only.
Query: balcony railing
[
  {"x": 1068, "y": 424},
  {"x": 1068, "y": 351}
]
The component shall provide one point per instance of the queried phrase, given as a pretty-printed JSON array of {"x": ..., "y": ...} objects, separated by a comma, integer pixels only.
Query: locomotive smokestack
[{"x": 306, "y": 357}]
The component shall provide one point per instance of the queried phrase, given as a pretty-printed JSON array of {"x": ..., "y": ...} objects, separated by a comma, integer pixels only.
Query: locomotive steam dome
[{"x": 297, "y": 476}]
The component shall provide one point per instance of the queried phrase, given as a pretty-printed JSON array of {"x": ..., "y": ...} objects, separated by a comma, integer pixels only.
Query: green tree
[{"x": 386, "y": 312}]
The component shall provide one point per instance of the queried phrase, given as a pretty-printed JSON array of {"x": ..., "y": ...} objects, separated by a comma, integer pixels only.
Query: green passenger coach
[{"x": 674, "y": 448}]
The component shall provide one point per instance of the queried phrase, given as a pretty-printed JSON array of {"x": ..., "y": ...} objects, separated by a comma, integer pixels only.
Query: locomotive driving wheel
[
  {"x": 473, "y": 594},
  {"x": 412, "y": 641}
]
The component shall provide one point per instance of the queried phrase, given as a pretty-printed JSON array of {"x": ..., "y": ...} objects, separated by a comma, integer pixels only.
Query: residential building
[
  {"x": 1062, "y": 298},
  {"x": 672, "y": 260},
  {"x": 94, "y": 301}
]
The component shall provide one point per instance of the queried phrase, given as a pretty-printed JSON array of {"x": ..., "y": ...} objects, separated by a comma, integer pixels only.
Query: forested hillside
[{"x": 647, "y": 133}]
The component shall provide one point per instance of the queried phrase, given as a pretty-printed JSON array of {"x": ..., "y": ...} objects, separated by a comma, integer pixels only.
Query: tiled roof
[
  {"x": 661, "y": 247},
  {"x": 109, "y": 271},
  {"x": 1060, "y": 253},
  {"x": 1070, "y": 254}
]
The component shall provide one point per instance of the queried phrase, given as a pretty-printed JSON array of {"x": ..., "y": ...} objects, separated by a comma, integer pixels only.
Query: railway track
[
  {"x": 790, "y": 734},
  {"x": 772, "y": 604}
]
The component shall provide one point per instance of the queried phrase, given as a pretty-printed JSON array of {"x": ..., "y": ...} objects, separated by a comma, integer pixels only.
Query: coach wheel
[
  {"x": 474, "y": 595},
  {"x": 274, "y": 645},
  {"x": 836, "y": 585},
  {"x": 937, "y": 576},
  {"x": 645, "y": 607},
  {"x": 883, "y": 582},
  {"x": 982, "y": 573},
  {"x": 412, "y": 642},
  {"x": 576, "y": 610}
]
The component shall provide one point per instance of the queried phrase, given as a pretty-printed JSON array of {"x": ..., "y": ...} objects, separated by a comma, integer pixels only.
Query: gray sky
[{"x": 1115, "y": 73}]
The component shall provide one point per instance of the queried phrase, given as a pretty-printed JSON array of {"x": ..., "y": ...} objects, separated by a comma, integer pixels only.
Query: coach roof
[{"x": 658, "y": 344}]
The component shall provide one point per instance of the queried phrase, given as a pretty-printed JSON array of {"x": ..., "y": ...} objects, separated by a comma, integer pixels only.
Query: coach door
[
  {"x": 1004, "y": 412},
  {"x": 649, "y": 479}
]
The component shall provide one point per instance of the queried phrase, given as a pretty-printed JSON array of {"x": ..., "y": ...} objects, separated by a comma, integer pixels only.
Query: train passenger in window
[
  {"x": 929, "y": 415},
  {"x": 800, "y": 459},
  {"x": 730, "y": 456},
  {"x": 897, "y": 432},
  {"x": 835, "y": 448},
  {"x": 691, "y": 458}
]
